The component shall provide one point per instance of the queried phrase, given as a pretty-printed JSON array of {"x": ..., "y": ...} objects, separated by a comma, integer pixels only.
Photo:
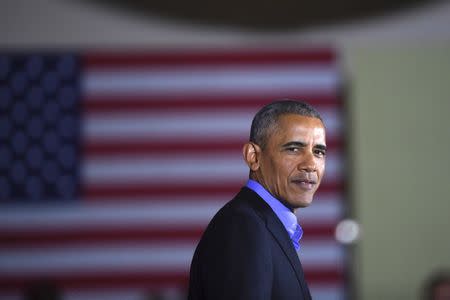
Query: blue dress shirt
[{"x": 286, "y": 216}]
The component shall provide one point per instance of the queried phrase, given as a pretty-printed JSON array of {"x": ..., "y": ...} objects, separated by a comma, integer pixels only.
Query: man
[{"x": 248, "y": 250}]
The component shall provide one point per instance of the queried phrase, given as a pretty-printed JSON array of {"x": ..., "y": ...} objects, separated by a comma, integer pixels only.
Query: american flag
[{"x": 112, "y": 164}]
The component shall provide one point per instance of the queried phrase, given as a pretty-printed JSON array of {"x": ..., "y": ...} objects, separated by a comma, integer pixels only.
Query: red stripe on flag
[
  {"x": 140, "y": 190},
  {"x": 113, "y": 103},
  {"x": 92, "y": 236},
  {"x": 103, "y": 147},
  {"x": 143, "y": 279},
  {"x": 100, "y": 280},
  {"x": 138, "y": 59},
  {"x": 115, "y": 234},
  {"x": 324, "y": 276},
  {"x": 139, "y": 147},
  {"x": 130, "y": 191}
]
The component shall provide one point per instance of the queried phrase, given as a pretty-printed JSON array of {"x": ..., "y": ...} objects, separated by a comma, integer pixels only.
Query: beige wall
[{"x": 400, "y": 105}]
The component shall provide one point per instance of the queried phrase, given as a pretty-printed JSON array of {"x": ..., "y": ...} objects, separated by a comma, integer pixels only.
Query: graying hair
[{"x": 266, "y": 118}]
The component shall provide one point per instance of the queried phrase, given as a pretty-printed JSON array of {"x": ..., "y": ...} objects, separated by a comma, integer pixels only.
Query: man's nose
[{"x": 308, "y": 163}]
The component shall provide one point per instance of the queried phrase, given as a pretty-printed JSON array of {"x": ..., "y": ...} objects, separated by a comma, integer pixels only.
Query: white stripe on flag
[
  {"x": 325, "y": 209},
  {"x": 172, "y": 213},
  {"x": 318, "y": 292},
  {"x": 321, "y": 254},
  {"x": 109, "y": 294},
  {"x": 211, "y": 124},
  {"x": 168, "y": 124},
  {"x": 327, "y": 292},
  {"x": 167, "y": 257},
  {"x": 212, "y": 80},
  {"x": 186, "y": 168},
  {"x": 104, "y": 257},
  {"x": 169, "y": 213}
]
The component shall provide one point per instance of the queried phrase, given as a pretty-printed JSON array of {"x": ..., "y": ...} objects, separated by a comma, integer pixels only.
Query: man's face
[{"x": 292, "y": 164}]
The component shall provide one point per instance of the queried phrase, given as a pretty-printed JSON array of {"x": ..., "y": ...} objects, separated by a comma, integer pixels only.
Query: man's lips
[
  {"x": 305, "y": 185},
  {"x": 305, "y": 182}
]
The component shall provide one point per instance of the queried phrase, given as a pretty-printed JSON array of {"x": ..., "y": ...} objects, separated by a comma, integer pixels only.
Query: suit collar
[{"x": 286, "y": 216}]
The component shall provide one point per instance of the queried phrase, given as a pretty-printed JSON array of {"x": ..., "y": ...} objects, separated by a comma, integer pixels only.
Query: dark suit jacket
[{"x": 246, "y": 253}]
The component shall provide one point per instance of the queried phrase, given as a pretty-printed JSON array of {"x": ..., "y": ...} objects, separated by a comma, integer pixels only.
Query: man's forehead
[
  {"x": 297, "y": 128},
  {"x": 299, "y": 122}
]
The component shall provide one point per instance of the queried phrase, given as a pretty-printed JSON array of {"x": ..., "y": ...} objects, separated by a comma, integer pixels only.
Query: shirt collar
[{"x": 286, "y": 216}]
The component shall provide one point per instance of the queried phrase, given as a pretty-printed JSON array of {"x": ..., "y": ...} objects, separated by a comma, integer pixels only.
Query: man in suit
[{"x": 248, "y": 250}]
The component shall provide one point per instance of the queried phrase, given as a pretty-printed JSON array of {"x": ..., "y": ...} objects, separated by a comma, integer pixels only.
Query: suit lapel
[{"x": 280, "y": 234}]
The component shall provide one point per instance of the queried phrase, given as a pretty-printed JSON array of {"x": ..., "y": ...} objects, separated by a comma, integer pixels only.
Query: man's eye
[
  {"x": 320, "y": 153},
  {"x": 293, "y": 149}
]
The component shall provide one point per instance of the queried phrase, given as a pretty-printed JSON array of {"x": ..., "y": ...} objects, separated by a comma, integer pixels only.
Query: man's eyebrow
[
  {"x": 321, "y": 147},
  {"x": 302, "y": 144}
]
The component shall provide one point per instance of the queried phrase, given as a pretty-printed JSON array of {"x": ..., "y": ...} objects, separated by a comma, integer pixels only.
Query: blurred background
[{"x": 121, "y": 125}]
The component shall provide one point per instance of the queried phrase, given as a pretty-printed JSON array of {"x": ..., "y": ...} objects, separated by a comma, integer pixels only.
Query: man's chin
[{"x": 302, "y": 203}]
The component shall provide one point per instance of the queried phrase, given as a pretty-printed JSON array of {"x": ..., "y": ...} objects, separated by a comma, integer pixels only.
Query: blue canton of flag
[{"x": 39, "y": 127}]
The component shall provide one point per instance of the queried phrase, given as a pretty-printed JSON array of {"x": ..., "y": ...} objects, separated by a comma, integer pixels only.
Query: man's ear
[{"x": 251, "y": 153}]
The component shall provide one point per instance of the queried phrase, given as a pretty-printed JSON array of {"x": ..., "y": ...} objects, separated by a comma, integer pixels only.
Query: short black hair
[{"x": 267, "y": 117}]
